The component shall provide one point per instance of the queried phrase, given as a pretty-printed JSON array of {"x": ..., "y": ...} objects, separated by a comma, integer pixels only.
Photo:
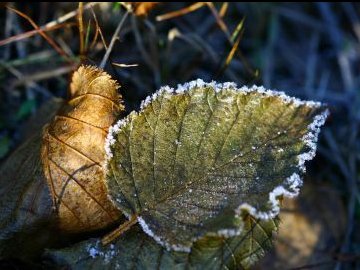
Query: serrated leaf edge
[{"x": 293, "y": 182}]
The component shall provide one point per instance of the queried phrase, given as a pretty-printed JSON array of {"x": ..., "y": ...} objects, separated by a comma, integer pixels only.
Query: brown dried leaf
[
  {"x": 311, "y": 228},
  {"x": 142, "y": 8},
  {"x": 73, "y": 152}
]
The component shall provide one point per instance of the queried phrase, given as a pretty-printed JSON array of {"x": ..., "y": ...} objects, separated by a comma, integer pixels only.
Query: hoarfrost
[
  {"x": 93, "y": 252},
  {"x": 158, "y": 239},
  {"x": 106, "y": 253}
]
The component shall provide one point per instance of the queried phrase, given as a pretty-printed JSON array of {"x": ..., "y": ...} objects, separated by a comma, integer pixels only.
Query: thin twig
[
  {"x": 41, "y": 32},
  {"x": 98, "y": 30},
  {"x": 113, "y": 39},
  {"x": 68, "y": 15},
  {"x": 180, "y": 12},
  {"x": 32, "y": 33}
]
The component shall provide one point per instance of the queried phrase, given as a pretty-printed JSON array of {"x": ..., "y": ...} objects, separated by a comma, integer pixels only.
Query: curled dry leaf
[
  {"x": 198, "y": 157},
  {"x": 73, "y": 152}
]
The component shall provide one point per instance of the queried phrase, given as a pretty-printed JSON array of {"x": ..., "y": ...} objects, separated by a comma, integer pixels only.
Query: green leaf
[
  {"x": 195, "y": 159},
  {"x": 4, "y": 146},
  {"x": 135, "y": 250},
  {"x": 26, "y": 108}
]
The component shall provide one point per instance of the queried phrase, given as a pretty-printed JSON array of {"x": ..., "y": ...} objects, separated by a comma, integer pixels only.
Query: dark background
[{"x": 308, "y": 50}]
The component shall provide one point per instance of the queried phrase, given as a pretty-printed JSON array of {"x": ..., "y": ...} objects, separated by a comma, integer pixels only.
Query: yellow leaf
[{"x": 73, "y": 152}]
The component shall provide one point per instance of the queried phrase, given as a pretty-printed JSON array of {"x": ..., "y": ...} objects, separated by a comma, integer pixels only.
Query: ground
[{"x": 308, "y": 50}]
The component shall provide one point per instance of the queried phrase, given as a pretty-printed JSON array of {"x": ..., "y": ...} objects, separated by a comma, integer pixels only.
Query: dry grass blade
[
  {"x": 125, "y": 65},
  {"x": 113, "y": 39},
  {"x": 81, "y": 29},
  {"x": 229, "y": 57},
  {"x": 224, "y": 8},
  {"x": 98, "y": 31},
  {"x": 237, "y": 31},
  {"x": 180, "y": 12},
  {"x": 232, "y": 52},
  {"x": 69, "y": 15},
  {"x": 218, "y": 19},
  {"x": 87, "y": 35}
]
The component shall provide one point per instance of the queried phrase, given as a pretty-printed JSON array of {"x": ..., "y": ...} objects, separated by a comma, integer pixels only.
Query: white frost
[
  {"x": 227, "y": 233},
  {"x": 106, "y": 253},
  {"x": 93, "y": 252},
  {"x": 158, "y": 239}
]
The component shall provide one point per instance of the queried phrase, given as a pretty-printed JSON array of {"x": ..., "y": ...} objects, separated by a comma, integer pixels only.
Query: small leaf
[
  {"x": 25, "y": 109},
  {"x": 73, "y": 152},
  {"x": 135, "y": 250},
  {"x": 196, "y": 158}
]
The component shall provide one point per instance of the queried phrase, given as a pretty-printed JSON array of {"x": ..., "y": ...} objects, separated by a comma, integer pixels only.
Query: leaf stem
[{"x": 107, "y": 239}]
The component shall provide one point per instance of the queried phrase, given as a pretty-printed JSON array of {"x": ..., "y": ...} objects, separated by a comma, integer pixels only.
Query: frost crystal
[
  {"x": 149, "y": 232},
  {"x": 227, "y": 233},
  {"x": 93, "y": 252},
  {"x": 97, "y": 251},
  {"x": 311, "y": 139}
]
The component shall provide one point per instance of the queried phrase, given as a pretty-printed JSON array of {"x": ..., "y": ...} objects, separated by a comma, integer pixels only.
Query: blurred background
[{"x": 308, "y": 50}]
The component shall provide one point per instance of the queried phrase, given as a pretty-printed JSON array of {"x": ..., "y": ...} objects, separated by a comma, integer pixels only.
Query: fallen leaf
[
  {"x": 25, "y": 204},
  {"x": 136, "y": 250},
  {"x": 307, "y": 238},
  {"x": 26, "y": 219},
  {"x": 197, "y": 158},
  {"x": 73, "y": 152}
]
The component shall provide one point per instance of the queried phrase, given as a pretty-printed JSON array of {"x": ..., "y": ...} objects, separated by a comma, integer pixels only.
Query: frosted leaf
[{"x": 241, "y": 149}]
